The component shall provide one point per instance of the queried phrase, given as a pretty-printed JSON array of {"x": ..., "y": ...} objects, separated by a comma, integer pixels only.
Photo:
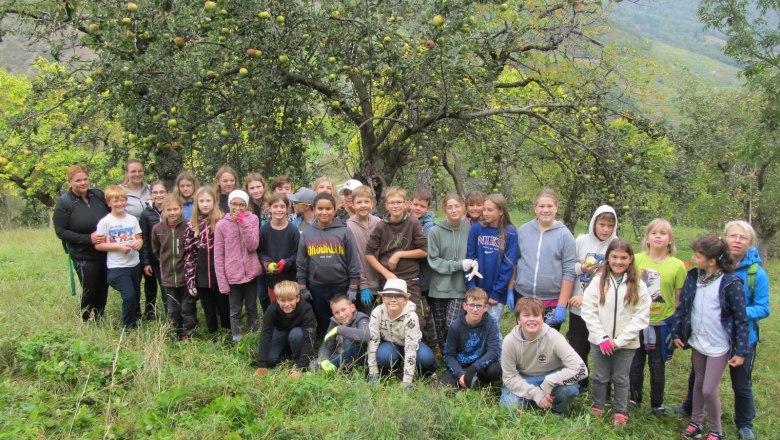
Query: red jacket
[{"x": 235, "y": 251}]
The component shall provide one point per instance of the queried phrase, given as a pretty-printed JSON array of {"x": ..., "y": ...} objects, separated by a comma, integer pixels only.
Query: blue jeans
[
  {"x": 563, "y": 395},
  {"x": 354, "y": 354},
  {"x": 388, "y": 357},
  {"x": 127, "y": 281},
  {"x": 285, "y": 343}
]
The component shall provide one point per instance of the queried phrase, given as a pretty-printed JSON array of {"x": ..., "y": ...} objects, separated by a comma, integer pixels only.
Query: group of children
[{"x": 319, "y": 281}]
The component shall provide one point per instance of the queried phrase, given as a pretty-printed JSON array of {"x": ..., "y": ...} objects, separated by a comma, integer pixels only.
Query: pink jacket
[{"x": 235, "y": 251}]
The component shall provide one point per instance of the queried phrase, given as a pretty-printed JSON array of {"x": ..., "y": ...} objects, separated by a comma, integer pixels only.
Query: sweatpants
[
  {"x": 444, "y": 312},
  {"x": 577, "y": 335},
  {"x": 709, "y": 371},
  {"x": 243, "y": 295},
  {"x": 182, "y": 312},
  {"x": 614, "y": 369},
  {"x": 216, "y": 308},
  {"x": 94, "y": 293}
]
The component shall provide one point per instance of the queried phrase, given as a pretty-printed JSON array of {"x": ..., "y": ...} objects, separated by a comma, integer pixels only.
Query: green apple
[
  {"x": 591, "y": 261},
  {"x": 264, "y": 15},
  {"x": 132, "y": 7},
  {"x": 210, "y": 6},
  {"x": 172, "y": 123},
  {"x": 280, "y": 19},
  {"x": 243, "y": 71},
  {"x": 438, "y": 20}
]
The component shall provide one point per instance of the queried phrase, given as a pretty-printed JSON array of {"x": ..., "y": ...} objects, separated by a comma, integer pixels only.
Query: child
[
  {"x": 346, "y": 191},
  {"x": 255, "y": 186},
  {"x": 168, "y": 247},
  {"x": 615, "y": 307},
  {"x": 328, "y": 262},
  {"x": 711, "y": 319},
  {"x": 345, "y": 342},
  {"x": 199, "y": 266},
  {"x": 396, "y": 336},
  {"x": 475, "y": 202},
  {"x": 123, "y": 241},
  {"x": 473, "y": 349},
  {"x": 304, "y": 210},
  {"x": 288, "y": 329},
  {"x": 282, "y": 184},
  {"x": 224, "y": 183},
  {"x": 492, "y": 249},
  {"x": 591, "y": 249},
  {"x": 447, "y": 247},
  {"x": 421, "y": 209},
  {"x": 151, "y": 266},
  {"x": 538, "y": 366},
  {"x": 278, "y": 247},
  {"x": 545, "y": 259},
  {"x": 236, "y": 240},
  {"x": 184, "y": 189},
  {"x": 664, "y": 276},
  {"x": 396, "y": 245},
  {"x": 361, "y": 224}
]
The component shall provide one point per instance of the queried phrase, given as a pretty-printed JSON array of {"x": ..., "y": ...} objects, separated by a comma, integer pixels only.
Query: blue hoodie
[
  {"x": 758, "y": 308},
  {"x": 495, "y": 265},
  {"x": 544, "y": 260},
  {"x": 478, "y": 345}
]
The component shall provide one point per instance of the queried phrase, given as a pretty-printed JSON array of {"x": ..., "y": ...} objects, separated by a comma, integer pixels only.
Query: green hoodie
[{"x": 446, "y": 251}]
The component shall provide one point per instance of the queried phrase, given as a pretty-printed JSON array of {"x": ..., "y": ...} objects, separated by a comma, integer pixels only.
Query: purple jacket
[{"x": 235, "y": 251}]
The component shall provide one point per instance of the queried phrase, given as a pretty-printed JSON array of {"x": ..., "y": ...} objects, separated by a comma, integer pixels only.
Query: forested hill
[{"x": 669, "y": 31}]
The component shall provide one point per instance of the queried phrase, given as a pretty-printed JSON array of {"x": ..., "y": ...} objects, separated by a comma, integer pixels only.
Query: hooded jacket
[
  {"x": 168, "y": 247},
  {"x": 404, "y": 330},
  {"x": 548, "y": 352},
  {"x": 328, "y": 255},
  {"x": 426, "y": 222},
  {"x": 447, "y": 248},
  {"x": 591, "y": 244},
  {"x": 757, "y": 308},
  {"x": 733, "y": 316},
  {"x": 478, "y": 345},
  {"x": 137, "y": 203},
  {"x": 235, "y": 251},
  {"x": 75, "y": 221},
  {"x": 614, "y": 319},
  {"x": 389, "y": 237},
  {"x": 149, "y": 219},
  {"x": 544, "y": 260},
  {"x": 357, "y": 330},
  {"x": 495, "y": 265},
  {"x": 199, "y": 268},
  {"x": 369, "y": 277}
]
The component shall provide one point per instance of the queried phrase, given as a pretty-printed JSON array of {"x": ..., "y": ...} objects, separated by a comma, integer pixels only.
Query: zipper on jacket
[
  {"x": 614, "y": 314},
  {"x": 536, "y": 269},
  {"x": 208, "y": 255}
]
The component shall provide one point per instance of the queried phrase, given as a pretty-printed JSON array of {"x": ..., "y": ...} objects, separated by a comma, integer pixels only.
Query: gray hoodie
[
  {"x": 446, "y": 252},
  {"x": 548, "y": 352},
  {"x": 590, "y": 244},
  {"x": 544, "y": 260}
]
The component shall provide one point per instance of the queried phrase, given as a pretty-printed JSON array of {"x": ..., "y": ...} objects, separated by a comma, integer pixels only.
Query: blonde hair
[
  {"x": 257, "y": 177},
  {"x": 504, "y": 222},
  {"x": 213, "y": 217},
  {"x": 654, "y": 225},
  {"x": 286, "y": 290},
  {"x": 185, "y": 175},
  {"x": 362, "y": 191},
  {"x": 477, "y": 294},
  {"x": 114, "y": 192},
  {"x": 322, "y": 179},
  {"x": 749, "y": 231},
  {"x": 394, "y": 191},
  {"x": 222, "y": 170},
  {"x": 548, "y": 192}
]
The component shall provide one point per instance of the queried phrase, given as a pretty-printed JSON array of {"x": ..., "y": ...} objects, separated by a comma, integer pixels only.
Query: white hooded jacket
[{"x": 590, "y": 244}]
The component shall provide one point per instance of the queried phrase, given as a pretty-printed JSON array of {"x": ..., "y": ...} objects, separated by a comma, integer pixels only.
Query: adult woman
[
  {"x": 75, "y": 220},
  {"x": 741, "y": 238},
  {"x": 139, "y": 196},
  {"x": 545, "y": 260}
]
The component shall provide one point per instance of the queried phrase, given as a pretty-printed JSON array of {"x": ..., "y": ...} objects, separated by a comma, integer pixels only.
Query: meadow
[{"x": 60, "y": 378}]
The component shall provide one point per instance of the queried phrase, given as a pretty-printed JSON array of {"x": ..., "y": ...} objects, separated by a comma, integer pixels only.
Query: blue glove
[
  {"x": 407, "y": 386},
  {"x": 305, "y": 294},
  {"x": 373, "y": 378},
  {"x": 352, "y": 293},
  {"x": 365, "y": 296},
  {"x": 559, "y": 315}
]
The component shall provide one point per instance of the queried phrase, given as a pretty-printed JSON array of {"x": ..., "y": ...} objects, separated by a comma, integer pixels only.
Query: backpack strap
[{"x": 751, "y": 280}]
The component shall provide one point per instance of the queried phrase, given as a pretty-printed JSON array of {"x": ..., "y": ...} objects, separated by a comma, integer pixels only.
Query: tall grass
[{"x": 60, "y": 378}]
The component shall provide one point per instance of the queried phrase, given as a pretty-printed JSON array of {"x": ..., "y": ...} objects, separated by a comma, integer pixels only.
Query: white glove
[
  {"x": 474, "y": 272},
  {"x": 468, "y": 264}
]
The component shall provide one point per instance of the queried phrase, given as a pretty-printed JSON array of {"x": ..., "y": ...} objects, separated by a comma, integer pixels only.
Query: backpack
[{"x": 751, "y": 282}]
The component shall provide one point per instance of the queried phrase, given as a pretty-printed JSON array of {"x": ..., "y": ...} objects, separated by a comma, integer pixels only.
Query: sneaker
[
  {"x": 633, "y": 404},
  {"x": 693, "y": 430},
  {"x": 596, "y": 411},
  {"x": 746, "y": 433},
  {"x": 620, "y": 419},
  {"x": 185, "y": 337},
  {"x": 661, "y": 411},
  {"x": 680, "y": 409},
  {"x": 715, "y": 435}
]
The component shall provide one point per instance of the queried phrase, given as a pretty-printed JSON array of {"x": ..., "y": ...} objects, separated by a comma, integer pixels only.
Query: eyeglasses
[
  {"x": 476, "y": 306},
  {"x": 159, "y": 193},
  {"x": 238, "y": 205},
  {"x": 396, "y": 203},
  {"x": 737, "y": 237},
  {"x": 388, "y": 297}
]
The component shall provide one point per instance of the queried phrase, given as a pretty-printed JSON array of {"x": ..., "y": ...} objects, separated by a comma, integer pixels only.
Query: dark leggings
[
  {"x": 578, "y": 339},
  {"x": 92, "y": 276},
  {"x": 216, "y": 308},
  {"x": 657, "y": 368}
]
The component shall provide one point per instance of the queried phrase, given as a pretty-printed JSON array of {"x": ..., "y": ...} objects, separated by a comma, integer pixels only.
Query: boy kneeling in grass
[
  {"x": 539, "y": 366},
  {"x": 288, "y": 330},
  {"x": 348, "y": 334},
  {"x": 473, "y": 348},
  {"x": 396, "y": 336}
]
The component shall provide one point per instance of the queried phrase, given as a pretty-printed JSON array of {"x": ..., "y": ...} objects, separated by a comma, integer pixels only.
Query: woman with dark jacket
[
  {"x": 76, "y": 216},
  {"x": 149, "y": 218}
]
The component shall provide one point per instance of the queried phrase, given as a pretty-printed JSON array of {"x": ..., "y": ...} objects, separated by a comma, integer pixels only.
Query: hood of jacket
[
  {"x": 601, "y": 210},
  {"x": 751, "y": 256}
]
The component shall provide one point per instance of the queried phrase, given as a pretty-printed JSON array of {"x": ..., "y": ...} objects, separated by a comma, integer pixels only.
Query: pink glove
[
  {"x": 607, "y": 347},
  {"x": 280, "y": 266},
  {"x": 240, "y": 217}
]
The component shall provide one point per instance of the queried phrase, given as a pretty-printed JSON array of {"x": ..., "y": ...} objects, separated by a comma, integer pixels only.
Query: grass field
[{"x": 60, "y": 378}]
